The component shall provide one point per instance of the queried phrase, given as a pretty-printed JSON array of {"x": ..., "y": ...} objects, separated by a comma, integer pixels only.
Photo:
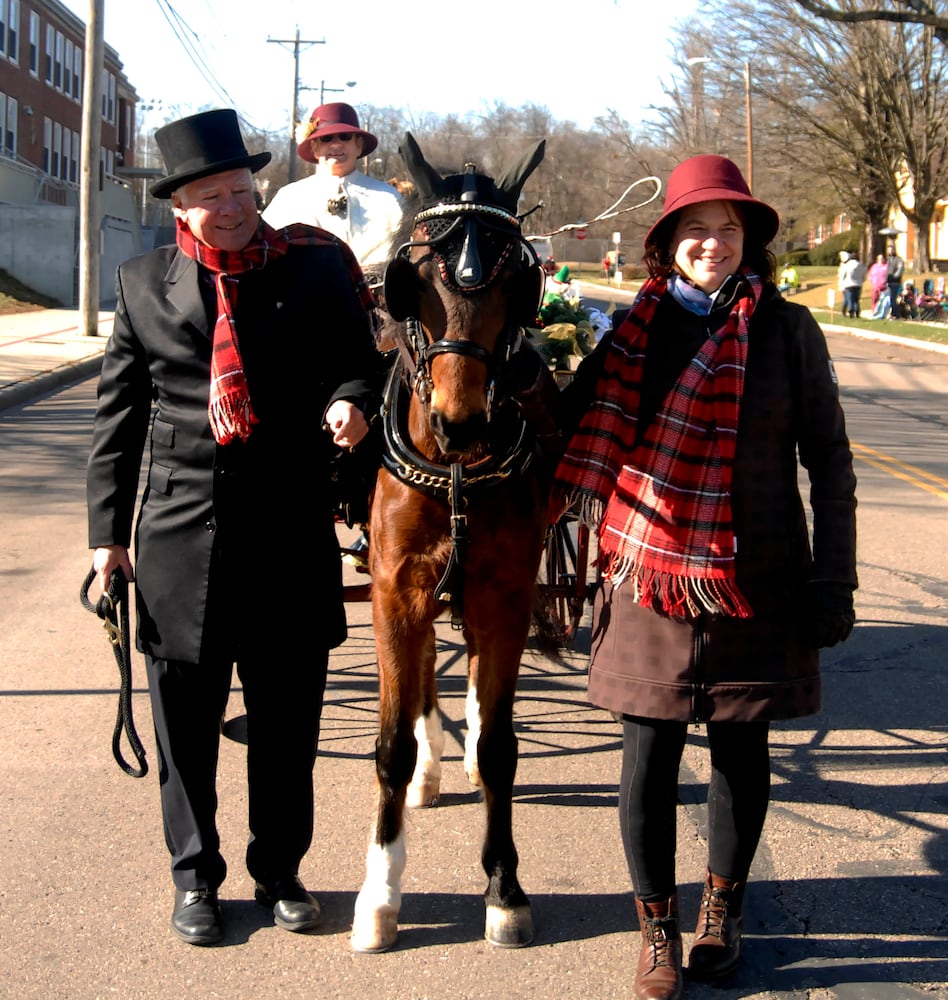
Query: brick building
[{"x": 42, "y": 55}]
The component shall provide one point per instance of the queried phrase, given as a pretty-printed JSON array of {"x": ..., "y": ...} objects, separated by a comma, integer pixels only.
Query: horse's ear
[
  {"x": 527, "y": 295},
  {"x": 400, "y": 289},
  {"x": 510, "y": 183},
  {"x": 427, "y": 179}
]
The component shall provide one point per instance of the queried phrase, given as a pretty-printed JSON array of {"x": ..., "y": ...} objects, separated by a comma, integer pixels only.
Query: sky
[{"x": 576, "y": 59}]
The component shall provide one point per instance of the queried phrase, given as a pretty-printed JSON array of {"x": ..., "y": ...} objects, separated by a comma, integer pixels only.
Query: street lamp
[
  {"x": 324, "y": 90},
  {"x": 694, "y": 60}
]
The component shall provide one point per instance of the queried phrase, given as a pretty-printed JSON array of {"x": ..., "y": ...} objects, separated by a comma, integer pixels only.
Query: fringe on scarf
[
  {"x": 672, "y": 593},
  {"x": 231, "y": 417}
]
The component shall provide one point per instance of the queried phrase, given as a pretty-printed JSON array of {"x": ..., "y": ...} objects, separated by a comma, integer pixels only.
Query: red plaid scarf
[
  {"x": 663, "y": 506},
  {"x": 229, "y": 409}
]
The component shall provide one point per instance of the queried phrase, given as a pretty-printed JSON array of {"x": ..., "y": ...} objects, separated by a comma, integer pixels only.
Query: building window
[
  {"x": 10, "y": 133},
  {"x": 58, "y": 61},
  {"x": 3, "y": 113},
  {"x": 13, "y": 30},
  {"x": 64, "y": 159},
  {"x": 47, "y": 145},
  {"x": 108, "y": 96},
  {"x": 34, "y": 42},
  {"x": 3, "y": 27},
  {"x": 74, "y": 161},
  {"x": 57, "y": 149},
  {"x": 50, "y": 46},
  {"x": 77, "y": 74},
  {"x": 67, "y": 70}
]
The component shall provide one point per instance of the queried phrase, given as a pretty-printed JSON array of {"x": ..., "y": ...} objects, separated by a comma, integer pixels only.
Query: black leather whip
[{"x": 112, "y": 609}]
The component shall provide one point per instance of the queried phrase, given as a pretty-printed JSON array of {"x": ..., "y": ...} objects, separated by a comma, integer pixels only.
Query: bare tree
[
  {"x": 860, "y": 107},
  {"x": 901, "y": 12}
]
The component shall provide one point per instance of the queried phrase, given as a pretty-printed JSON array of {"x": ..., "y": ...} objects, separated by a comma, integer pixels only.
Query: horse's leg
[
  {"x": 508, "y": 919},
  {"x": 425, "y": 785},
  {"x": 472, "y": 713},
  {"x": 375, "y": 921}
]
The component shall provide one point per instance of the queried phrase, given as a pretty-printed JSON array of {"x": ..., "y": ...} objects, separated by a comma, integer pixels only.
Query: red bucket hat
[
  {"x": 334, "y": 119},
  {"x": 712, "y": 178}
]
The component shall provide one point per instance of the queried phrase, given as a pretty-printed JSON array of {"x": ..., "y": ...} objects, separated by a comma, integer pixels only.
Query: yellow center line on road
[{"x": 908, "y": 473}]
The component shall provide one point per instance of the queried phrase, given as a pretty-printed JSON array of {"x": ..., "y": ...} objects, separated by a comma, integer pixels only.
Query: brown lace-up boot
[
  {"x": 659, "y": 972},
  {"x": 717, "y": 945}
]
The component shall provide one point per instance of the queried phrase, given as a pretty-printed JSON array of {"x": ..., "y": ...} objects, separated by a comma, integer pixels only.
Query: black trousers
[
  {"x": 283, "y": 698},
  {"x": 738, "y": 797}
]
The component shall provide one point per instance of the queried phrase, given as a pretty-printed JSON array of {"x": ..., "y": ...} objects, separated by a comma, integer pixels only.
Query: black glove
[{"x": 828, "y": 615}]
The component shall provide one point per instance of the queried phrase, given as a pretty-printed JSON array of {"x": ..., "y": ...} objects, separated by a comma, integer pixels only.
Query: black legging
[{"x": 738, "y": 796}]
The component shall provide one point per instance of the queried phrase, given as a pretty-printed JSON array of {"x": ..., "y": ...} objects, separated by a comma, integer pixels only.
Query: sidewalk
[{"x": 42, "y": 350}]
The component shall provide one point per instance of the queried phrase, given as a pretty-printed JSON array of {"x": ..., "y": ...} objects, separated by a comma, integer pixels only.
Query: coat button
[{"x": 209, "y": 525}]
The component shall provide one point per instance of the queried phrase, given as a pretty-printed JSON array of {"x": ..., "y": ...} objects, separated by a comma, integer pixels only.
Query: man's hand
[
  {"x": 347, "y": 424},
  {"x": 108, "y": 559}
]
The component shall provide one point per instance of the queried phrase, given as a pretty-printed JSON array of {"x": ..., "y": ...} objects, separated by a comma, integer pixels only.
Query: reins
[{"x": 112, "y": 609}]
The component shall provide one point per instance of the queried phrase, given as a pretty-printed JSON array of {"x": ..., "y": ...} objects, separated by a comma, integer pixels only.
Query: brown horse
[{"x": 457, "y": 521}]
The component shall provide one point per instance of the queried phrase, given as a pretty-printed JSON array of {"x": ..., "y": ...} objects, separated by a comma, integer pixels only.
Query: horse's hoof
[
  {"x": 426, "y": 793},
  {"x": 509, "y": 928},
  {"x": 375, "y": 931},
  {"x": 473, "y": 773}
]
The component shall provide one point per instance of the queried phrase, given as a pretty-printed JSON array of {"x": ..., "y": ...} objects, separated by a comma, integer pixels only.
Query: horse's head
[{"x": 465, "y": 284}]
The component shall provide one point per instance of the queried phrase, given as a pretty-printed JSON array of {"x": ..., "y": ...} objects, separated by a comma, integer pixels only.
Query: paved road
[{"x": 849, "y": 894}]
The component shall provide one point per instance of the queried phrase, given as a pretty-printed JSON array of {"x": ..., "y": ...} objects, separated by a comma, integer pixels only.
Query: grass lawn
[{"x": 16, "y": 297}]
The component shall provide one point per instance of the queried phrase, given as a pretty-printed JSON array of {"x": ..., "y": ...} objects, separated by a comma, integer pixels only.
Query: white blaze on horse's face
[{"x": 459, "y": 400}]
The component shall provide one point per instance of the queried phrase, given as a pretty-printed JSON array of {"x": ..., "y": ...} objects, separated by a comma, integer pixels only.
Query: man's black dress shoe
[
  {"x": 294, "y": 909},
  {"x": 197, "y": 916}
]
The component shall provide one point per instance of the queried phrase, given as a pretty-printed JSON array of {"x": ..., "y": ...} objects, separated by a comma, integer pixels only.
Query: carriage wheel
[{"x": 561, "y": 584}]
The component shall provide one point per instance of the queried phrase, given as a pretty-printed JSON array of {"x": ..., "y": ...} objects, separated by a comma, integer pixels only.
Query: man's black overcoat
[{"x": 232, "y": 541}]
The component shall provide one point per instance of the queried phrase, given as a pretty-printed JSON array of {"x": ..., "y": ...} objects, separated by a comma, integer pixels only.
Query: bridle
[{"x": 472, "y": 223}]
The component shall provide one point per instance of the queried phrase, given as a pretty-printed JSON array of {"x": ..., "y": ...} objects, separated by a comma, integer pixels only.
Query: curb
[
  {"x": 30, "y": 389},
  {"x": 887, "y": 338}
]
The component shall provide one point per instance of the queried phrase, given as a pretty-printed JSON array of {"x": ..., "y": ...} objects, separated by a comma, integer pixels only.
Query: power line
[{"x": 190, "y": 41}]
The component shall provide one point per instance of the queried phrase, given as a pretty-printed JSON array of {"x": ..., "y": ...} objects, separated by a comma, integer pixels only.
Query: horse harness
[{"x": 484, "y": 237}]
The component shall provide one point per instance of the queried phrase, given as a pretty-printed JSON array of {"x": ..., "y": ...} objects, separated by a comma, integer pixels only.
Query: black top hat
[{"x": 203, "y": 144}]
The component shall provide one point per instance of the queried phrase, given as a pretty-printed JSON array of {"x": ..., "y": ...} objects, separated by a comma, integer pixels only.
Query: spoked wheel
[{"x": 561, "y": 584}]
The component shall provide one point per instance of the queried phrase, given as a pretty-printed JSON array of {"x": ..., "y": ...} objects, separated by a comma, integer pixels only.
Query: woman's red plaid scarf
[
  {"x": 229, "y": 408},
  {"x": 663, "y": 506}
]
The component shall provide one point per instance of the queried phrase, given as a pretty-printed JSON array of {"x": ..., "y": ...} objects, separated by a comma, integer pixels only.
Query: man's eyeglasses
[{"x": 342, "y": 137}]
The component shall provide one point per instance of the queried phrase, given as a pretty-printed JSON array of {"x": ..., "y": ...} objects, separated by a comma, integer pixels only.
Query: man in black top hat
[{"x": 226, "y": 361}]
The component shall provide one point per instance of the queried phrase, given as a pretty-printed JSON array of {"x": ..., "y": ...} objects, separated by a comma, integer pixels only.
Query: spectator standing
[
  {"x": 229, "y": 353},
  {"x": 877, "y": 276},
  {"x": 688, "y": 422},
  {"x": 894, "y": 271},
  {"x": 854, "y": 276}
]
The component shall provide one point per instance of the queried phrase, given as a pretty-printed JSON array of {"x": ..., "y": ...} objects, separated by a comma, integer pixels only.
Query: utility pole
[
  {"x": 296, "y": 42},
  {"x": 89, "y": 216}
]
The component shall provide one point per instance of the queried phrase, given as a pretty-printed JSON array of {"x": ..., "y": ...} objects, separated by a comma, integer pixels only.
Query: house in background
[{"x": 42, "y": 54}]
